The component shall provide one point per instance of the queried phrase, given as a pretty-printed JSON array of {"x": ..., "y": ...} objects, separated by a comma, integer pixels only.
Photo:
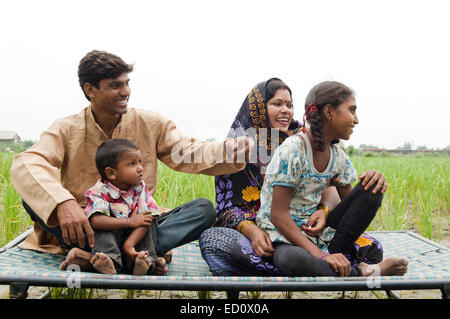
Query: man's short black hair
[
  {"x": 98, "y": 65},
  {"x": 109, "y": 152}
]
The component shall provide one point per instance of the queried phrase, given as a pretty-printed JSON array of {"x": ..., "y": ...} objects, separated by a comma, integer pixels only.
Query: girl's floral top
[{"x": 292, "y": 166}]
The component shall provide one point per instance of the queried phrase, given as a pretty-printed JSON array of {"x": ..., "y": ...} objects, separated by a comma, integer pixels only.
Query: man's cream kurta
[{"x": 61, "y": 165}]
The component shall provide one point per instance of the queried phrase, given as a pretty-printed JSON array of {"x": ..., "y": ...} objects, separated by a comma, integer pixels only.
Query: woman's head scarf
[{"x": 237, "y": 195}]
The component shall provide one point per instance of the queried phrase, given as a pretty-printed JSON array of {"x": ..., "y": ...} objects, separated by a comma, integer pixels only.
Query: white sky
[{"x": 195, "y": 61}]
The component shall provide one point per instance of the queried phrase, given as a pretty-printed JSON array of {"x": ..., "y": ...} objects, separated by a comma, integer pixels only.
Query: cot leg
[
  {"x": 445, "y": 291},
  {"x": 18, "y": 290},
  {"x": 392, "y": 294},
  {"x": 232, "y": 294}
]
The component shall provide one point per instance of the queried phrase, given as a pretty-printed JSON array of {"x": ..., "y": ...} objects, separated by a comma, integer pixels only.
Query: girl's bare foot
[
  {"x": 78, "y": 257},
  {"x": 141, "y": 264},
  {"x": 391, "y": 266},
  {"x": 102, "y": 263}
]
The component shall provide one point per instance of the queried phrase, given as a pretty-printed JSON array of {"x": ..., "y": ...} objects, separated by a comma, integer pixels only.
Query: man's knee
[{"x": 206, "y": 211}]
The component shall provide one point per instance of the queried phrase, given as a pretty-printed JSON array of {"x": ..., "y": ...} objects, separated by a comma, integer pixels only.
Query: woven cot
[{"x": 429, "y": 268}]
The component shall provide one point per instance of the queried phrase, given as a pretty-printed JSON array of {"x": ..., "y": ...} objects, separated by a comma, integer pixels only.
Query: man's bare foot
[
  {"x": 102, "y": 263},
  {"x": 141, "y": 264},
  {"x": 78, "y": 257},
  {"x": 160, "y": 267},
  {"x": 168, "y": 257},
  {"x": 391, "y": 266}
]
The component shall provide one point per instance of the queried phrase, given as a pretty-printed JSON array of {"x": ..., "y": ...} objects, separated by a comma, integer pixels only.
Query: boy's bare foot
[
  {"x": 102, "y": 263},
  {"x": 78, "y": 257},
  {"x": 391, "y": 266},
  {"x": 141, "y": 264}
]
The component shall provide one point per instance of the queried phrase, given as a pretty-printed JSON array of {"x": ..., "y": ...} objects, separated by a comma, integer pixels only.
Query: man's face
[{"x": 112, "y": 95}]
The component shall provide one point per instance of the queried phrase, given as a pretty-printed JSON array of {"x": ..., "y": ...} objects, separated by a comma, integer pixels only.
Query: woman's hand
[
  {"x": 316, "y": 223},
  {"x": 339, "y": 263},
  {"x": 371, "y": 177},
  {"x": 261, "y": 242}
]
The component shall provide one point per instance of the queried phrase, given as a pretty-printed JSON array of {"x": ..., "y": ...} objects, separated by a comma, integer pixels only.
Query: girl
[{"x": 296, "y": 178}]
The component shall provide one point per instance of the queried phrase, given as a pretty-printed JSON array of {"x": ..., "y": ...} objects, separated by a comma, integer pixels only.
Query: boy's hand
[
  {"x": 371, "y": 177},
  {"x": 138, "y": 220}
]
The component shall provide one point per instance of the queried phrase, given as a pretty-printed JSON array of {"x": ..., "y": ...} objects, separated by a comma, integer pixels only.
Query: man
[{"x": 53, "y": 175}]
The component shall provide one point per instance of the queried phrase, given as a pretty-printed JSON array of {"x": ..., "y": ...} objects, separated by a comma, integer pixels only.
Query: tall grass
[
  {"x": 175, "y": 188},
  {"x": 417, "y": 196},
  {"x": 13, "y": 218}
]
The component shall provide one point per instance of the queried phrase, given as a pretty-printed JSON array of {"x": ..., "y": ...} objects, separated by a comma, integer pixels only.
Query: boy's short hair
[
  {"x": 98, "y": 65},
  {"x": 109, "y": 152}
]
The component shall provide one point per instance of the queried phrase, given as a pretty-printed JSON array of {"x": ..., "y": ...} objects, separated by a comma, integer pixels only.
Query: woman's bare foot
[
  {"x": 141, "y": 264},
  {"x": 78, "y": 257},
  {"x": 102, "y": 263},
  {"x": 391, "y": 266}
]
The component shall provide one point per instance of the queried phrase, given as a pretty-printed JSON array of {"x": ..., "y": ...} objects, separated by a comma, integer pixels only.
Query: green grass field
[{"x": 417, "y": 197}]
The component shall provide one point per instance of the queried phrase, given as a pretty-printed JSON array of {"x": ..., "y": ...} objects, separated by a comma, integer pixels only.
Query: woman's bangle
[
  {"x": 323, "y": 255},
  {"x": 244, "y": 224},
  {"x": 324, "y": 208}
]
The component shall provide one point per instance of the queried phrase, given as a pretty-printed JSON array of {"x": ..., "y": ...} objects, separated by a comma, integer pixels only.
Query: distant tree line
[
  {"x": 16, "y": 147},
  {"x": 406, "y": 148}
]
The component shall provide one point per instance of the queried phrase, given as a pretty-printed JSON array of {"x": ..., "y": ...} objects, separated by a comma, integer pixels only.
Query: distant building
[{"x": 9, "y": 137}]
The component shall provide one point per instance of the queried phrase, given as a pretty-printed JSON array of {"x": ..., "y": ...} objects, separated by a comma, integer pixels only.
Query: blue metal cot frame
[{"x": 429, "y": 268}]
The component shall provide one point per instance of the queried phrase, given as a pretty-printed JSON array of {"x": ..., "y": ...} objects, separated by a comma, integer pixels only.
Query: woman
[{"x": 237, "y": 246}]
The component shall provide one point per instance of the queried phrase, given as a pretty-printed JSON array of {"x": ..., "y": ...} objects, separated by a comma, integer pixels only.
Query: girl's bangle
[
  {"x": 324, "y": 208},
  {"x": 244, "y": 225}
]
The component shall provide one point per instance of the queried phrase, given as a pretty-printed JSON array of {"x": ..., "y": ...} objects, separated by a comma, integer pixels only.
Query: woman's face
[{"x": 281, "y": 110}]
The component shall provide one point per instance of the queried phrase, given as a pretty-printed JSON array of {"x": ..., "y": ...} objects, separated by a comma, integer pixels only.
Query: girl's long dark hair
[{"x": 327, "y": 92}]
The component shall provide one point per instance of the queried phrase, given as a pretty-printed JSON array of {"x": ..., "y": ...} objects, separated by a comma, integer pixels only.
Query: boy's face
[
  {"x": 129, "y": 171},
  {"x": 112, "y": 95}
]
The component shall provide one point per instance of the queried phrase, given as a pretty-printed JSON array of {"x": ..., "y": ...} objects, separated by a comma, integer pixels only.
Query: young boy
[{"x": 121, "y": 212}]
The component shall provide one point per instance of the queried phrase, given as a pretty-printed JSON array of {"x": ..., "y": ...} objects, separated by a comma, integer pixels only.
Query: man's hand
[
  {"x": 239, "y": 149},
  {"x": 74, "y": 224}
]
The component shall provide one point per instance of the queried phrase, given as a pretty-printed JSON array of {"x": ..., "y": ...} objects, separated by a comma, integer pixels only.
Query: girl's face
[
  {"x": 280, "y": 110},
  {"x": 343, "y": 119},
  {"x": 129, "y": 171}
]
